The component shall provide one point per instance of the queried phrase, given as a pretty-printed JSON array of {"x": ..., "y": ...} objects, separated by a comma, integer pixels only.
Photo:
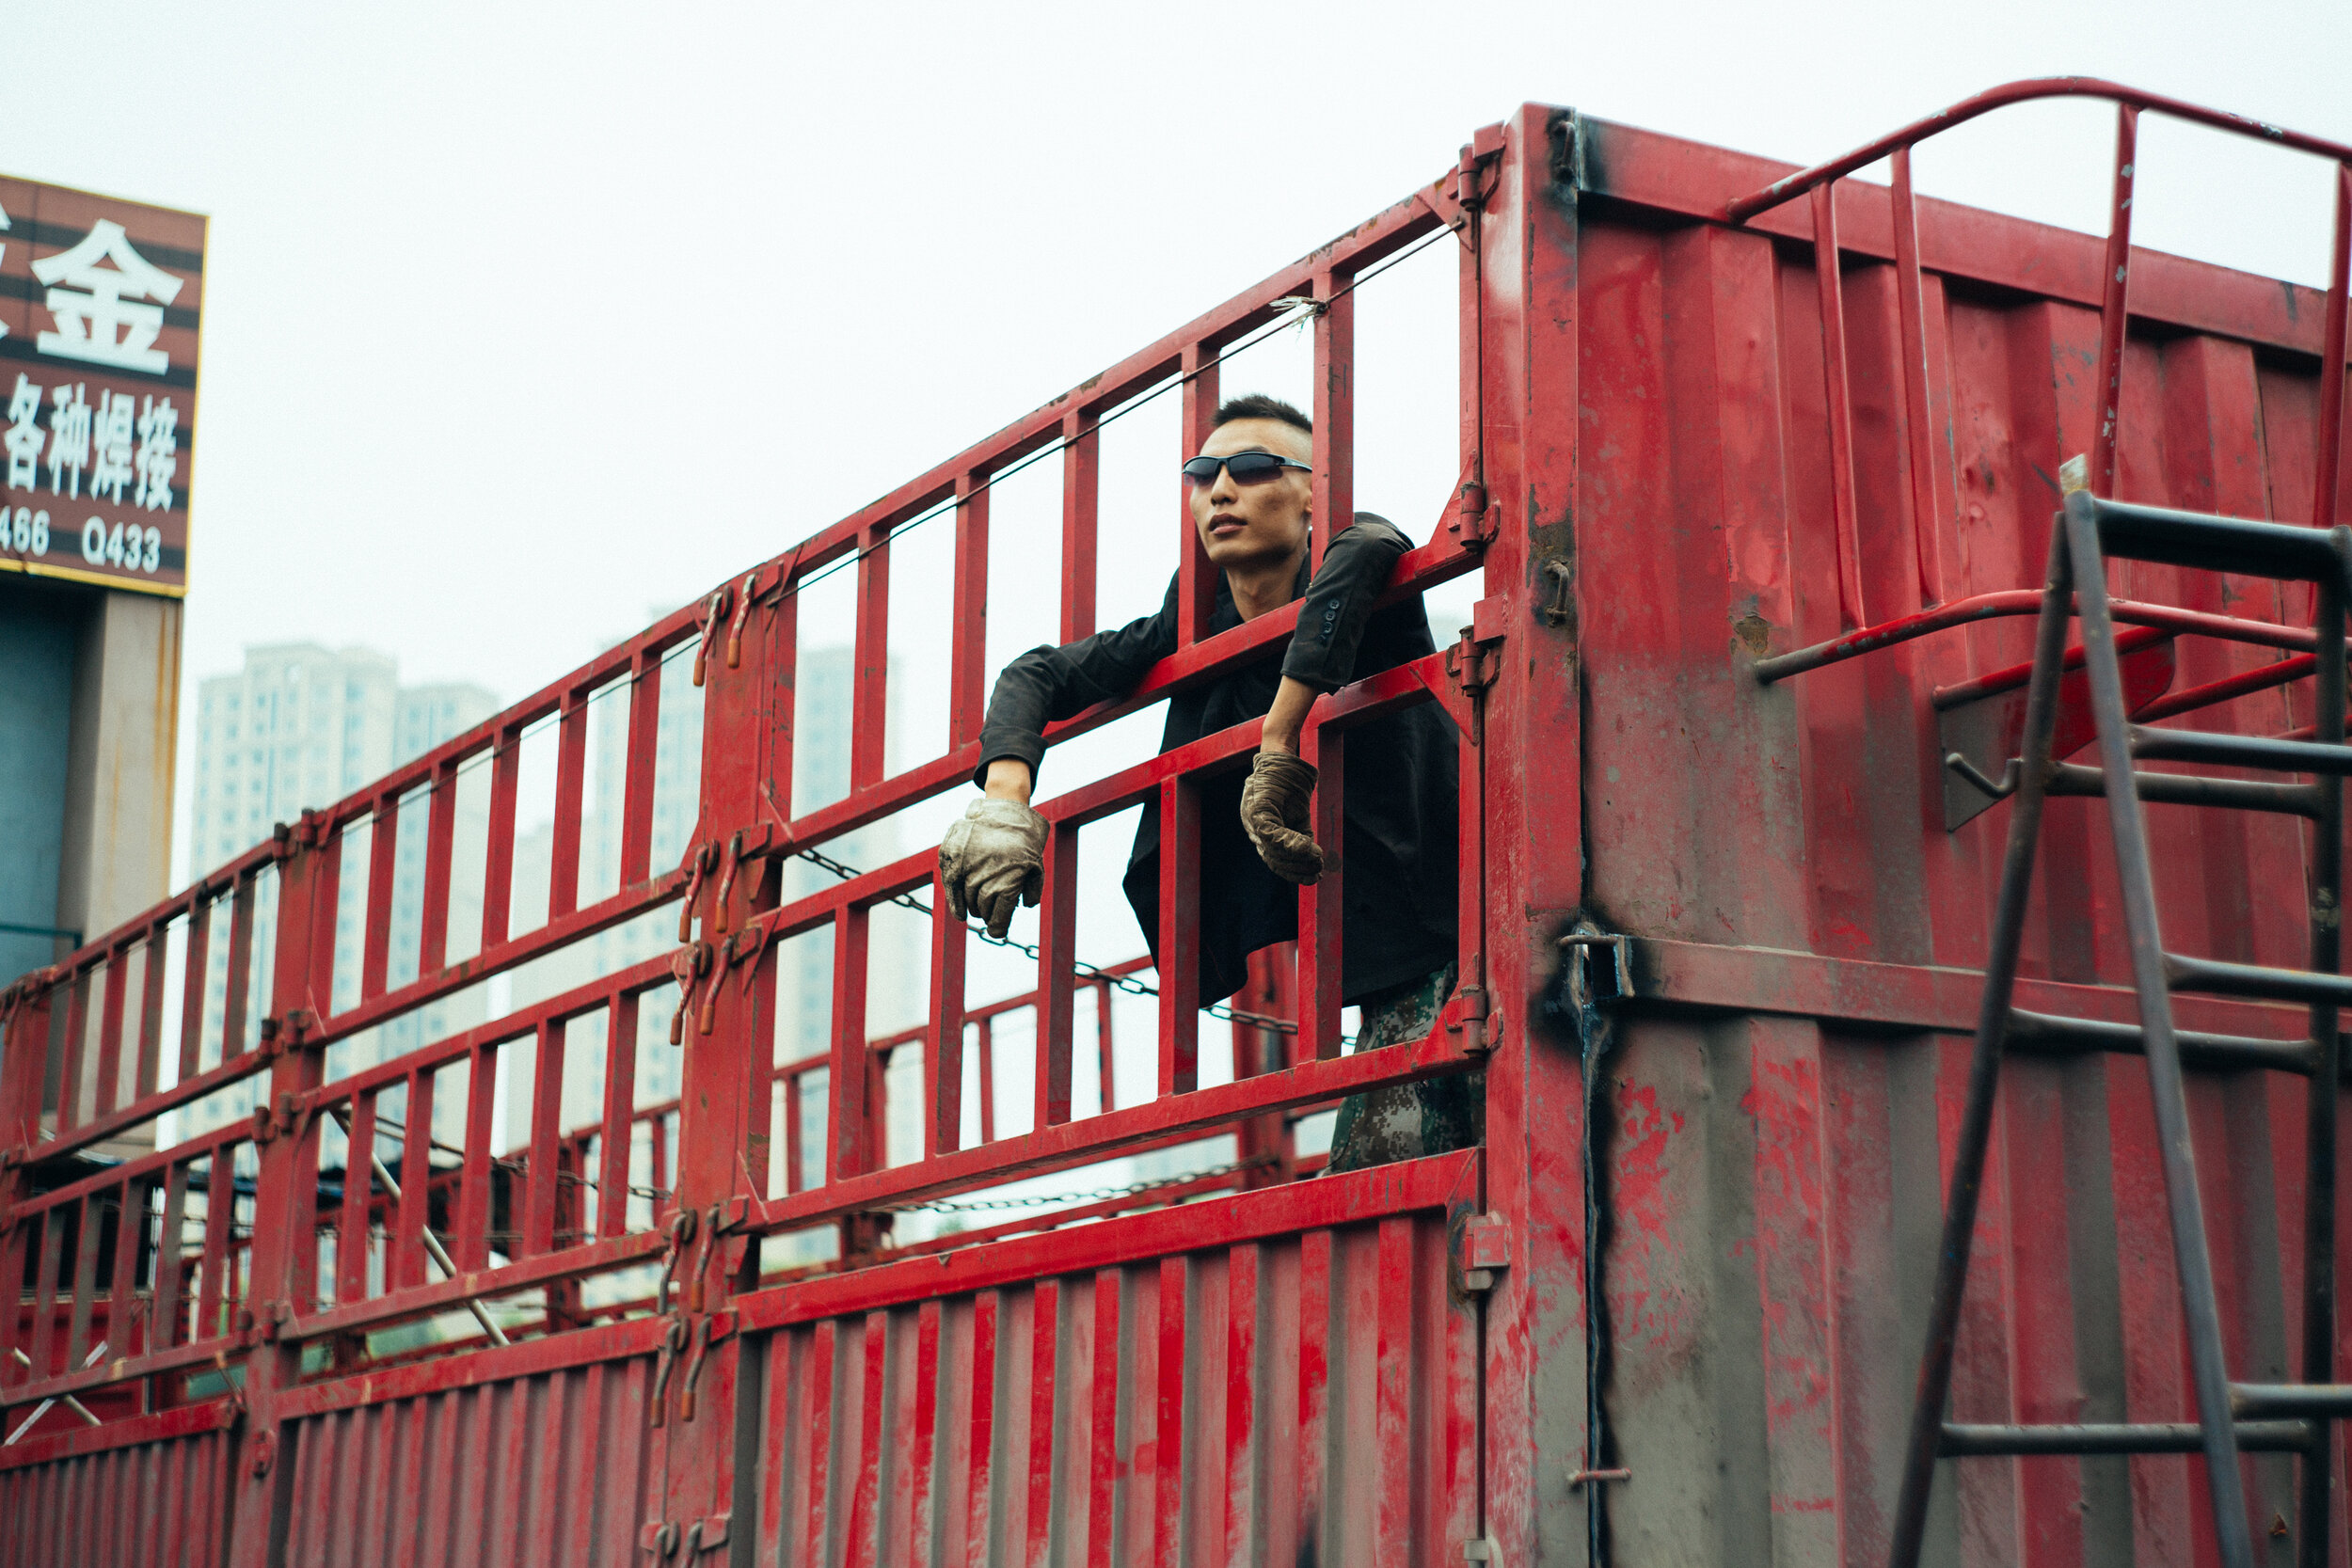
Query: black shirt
[{"x": 1400, "y": 810}]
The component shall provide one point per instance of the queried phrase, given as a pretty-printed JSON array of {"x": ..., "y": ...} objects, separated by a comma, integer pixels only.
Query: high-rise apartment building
[{"x": 301, "y": 725}]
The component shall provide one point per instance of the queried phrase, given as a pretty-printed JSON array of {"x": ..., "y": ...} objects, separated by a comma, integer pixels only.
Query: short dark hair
[{"x": 1257, "y": 406}]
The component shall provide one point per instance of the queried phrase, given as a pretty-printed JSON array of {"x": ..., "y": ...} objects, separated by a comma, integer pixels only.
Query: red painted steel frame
[{"x": 1292, "y": 1368}]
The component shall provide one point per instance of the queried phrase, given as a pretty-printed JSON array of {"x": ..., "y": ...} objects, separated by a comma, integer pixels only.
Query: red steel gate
[{"x": 564, "y": 1343}]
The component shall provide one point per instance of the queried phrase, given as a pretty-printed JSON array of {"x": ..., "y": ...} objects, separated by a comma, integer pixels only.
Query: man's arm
[
  {"x": 1321, "y": 657},
  {"x": 992, "y": 861}
]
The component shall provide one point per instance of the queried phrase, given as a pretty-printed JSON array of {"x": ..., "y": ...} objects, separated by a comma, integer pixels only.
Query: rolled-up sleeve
[{"x": 1339, "y": 602}]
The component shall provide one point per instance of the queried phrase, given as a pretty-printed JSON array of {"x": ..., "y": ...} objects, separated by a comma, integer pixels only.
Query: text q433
[{"x": 130, "y": 548}]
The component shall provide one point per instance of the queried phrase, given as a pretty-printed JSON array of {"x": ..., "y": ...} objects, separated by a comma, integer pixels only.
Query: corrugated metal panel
[
  {"x": 1775, "y": 1182},
  {"x": 1231, "y": 1405},
  {"x": 150, "y": 1505},
  {"x": 530, "y": 1470}
]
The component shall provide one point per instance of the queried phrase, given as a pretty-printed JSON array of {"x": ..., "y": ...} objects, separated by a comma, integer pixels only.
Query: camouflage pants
[{"x": 1404, "y": 1121}]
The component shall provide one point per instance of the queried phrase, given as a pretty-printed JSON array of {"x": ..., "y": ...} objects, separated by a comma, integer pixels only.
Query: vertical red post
[
  {"x": 351, "y": 1231},
  {"x": 405, "y": 1257},
  {"x": 1319, "y": 906},
  {"x": 1195, "y": 581},
  {"x": 850, "y": 1078},
  {"x": 283, "y": 1258},
  {"x": 376, "y": 942},
  {"x": 547, "y": 1134},
  {"x": 620, "y": 1104},
  {"x": 984, "y": 1047},
  {"x": 2330, "y": 441},
  {"x": 967, "y": 667},
  {"x": 498, "y": 870},
  {"x": 1831, "y": 286},
  {"x": 1335, "y": 408},
  {"x": 2114, "y": 302},
  {"x": 76, "y": 1029},
  {"x": 1179, "y": 955},
  {"x": 1056, "y": 961},
  {"x": 194, "y": 974},
  {"x": 440, "y": 836},
  {"x": 110, "y": 1029},
  {"x": 240, "y": 981},
  {"x": 571, "y": 772},
  {"x": 943, "y": 1041},
  {"x": 1927, "y": 522},
  {"x": 645, "y": 730},
  {"x": 1105, "y": 1058},
  {"x": 155, "y": 951},
  {"x": 472, "y": 1227},
  {"x": 870, "y": 696},
  {"x": 1081, "y": 491}
]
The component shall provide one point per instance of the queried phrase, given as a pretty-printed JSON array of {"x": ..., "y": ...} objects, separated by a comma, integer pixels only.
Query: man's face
[{"x": 1263, "y": 522}]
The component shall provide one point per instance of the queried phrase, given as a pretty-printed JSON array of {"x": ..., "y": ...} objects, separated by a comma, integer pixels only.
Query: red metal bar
[
  {"x": 2023, "y": 601},
  {"x": 850, "y": 1079},
  {"x": 1168, "y": 1498},
  {"x": 1081, "y": 492},
  {"x": 637, "y": 789},
  {"x": 240, "y": 982},
  {"x": 164, "y": 1323},
  {"x": 1320, "y": 907},
  {"x": 980, "y": 1434},
  {"x": 547, "y": 1133},
  {"x": 1105, "y": 1055},
  {"x": 220, "y": 1218},
  {"x": 440, "y": 829},
  {"x": 984, "y": 1049},
  {"x": 793, "y": 1150},
  {"x": 967, "y": 670},
  {"x": 620, "y": 1100},
  {"x": 47, "y": 1269},
  {"x": 1245, "y": 1509},
  {"x": 1178, "y": 949},
  {"x": 1044, "y": 1364},
  {"x": 194, "y": 979},
  {"x": 498, "y": 870},
  {"x": 70, "y": 1071},
  {"x": 383, "y": 863},
  {"x": 351, "y": 1233},
  {"x": 152, "y": 955},
  {"x": 88, "y": 1225},
  {"x": 2115, "y": 285},
  {"x": 869, "y": 699},
  {"x": 571, "y": 773},
  {"x": 405, "y": 1253},
  {"x": 942, "y": 1032},
  {"x": 1334, "y": 479},
  {"x": 110, "y": 1030},
  {"x": 1926, "y": 519},
  {"x": 471, "y": 1251},
  {"x": 2331, "y": 438},
  {"x": 2020, "y": 92},
  {"x": 1058, "y": 943},
  {"x": 1104, "y": 1465},
  {"x": 1829, "y": 283},
  {"x": 1195, "y": 581},
  {"x": 917, "y": 1438},
  {"x": 1314, "y": 1371}
]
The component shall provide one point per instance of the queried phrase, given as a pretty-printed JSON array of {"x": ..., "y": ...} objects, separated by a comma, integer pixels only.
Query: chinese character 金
[
  {"x": 110, "y": 441},
  {"x": 159, "y": 447},
  {"x": 23, "y": 437},
  {"x": 69, "y": 437},
  {"x": 88, "y": 322}
]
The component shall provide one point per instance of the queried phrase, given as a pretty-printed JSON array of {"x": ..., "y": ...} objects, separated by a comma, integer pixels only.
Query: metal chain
[
  {"x": 1040, "y": 1200},
  {"x": 1093, "y": 973}
]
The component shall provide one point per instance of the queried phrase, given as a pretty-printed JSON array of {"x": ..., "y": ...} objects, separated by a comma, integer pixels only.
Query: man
[{"x": 1252, "y": 494}]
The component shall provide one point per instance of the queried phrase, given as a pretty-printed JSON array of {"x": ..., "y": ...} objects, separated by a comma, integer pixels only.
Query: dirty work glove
[
  {"x": 1274, "y": 815},
  {"x": 994, "y": 860}
]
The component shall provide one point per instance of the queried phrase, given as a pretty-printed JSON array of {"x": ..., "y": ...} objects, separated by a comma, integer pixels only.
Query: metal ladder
[{"x": 2232, "y": 1416}]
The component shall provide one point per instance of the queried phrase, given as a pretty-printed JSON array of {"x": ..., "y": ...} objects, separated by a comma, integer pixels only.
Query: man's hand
[
  {"x": 993, "y": 862},
  {"x": 1274, "y": 814}
]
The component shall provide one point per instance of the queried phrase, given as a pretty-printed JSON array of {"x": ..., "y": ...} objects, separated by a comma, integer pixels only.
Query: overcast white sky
[{"x": 521, "y": 321}]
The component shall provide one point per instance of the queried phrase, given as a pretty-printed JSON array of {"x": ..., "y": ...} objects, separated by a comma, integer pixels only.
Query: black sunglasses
[{"x": 1247, "y": 468}]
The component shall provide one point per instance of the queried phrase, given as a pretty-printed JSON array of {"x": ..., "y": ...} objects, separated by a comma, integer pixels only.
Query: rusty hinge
[
  {"x": 1474, "y": 520},
  {"x": 660, "y": 1537},
  {"x": 279, "y": 1117}
]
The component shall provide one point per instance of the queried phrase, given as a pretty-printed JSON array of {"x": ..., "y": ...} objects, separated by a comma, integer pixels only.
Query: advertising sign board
[{"x": 100, "y": 303}]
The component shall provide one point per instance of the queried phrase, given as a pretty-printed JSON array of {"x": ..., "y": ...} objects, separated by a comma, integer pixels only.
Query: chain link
[{"x": 1093, "y": 973}]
